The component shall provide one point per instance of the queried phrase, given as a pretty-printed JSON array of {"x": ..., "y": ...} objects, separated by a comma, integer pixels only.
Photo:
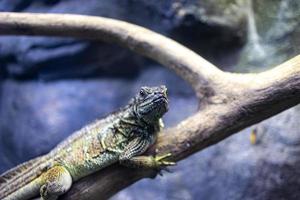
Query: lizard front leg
[
  {"x": 138, "y": 146},
  {"x": 55, "y": 182}
]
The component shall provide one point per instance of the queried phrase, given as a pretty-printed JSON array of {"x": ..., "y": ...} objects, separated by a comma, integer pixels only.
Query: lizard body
[{"x": 120, "y": 137}]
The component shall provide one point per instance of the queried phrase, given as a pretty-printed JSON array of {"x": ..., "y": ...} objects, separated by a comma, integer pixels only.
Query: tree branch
[
  {"x": 229, "y": 102},
  {"x": 193, "y": 68}
]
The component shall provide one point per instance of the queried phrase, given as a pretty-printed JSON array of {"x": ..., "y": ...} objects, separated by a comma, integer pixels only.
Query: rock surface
[{"x": 53, "y": 86}]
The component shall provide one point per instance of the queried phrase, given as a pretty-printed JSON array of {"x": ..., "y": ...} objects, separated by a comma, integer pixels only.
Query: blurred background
[{"x": 51, "y": 87}]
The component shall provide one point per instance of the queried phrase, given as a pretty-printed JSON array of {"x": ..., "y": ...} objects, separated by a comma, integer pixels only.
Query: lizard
[{"x": 121, "y": 137}]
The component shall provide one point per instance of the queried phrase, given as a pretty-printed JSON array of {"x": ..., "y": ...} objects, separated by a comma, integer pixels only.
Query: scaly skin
[{"x": 120, "y": 137}]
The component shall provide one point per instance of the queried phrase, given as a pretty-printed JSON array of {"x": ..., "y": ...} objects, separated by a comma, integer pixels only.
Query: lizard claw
[
  {"x": 162, "y": 164},
  {"x": 168, "y": 170}
]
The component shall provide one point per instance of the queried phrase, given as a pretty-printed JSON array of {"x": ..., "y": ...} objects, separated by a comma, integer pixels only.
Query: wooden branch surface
[
  {"x": 229, "y": 102},
  {"x": 138, "y": 39}
]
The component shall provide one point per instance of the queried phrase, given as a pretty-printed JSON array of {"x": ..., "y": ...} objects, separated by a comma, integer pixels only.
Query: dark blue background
[{"x": 51, "y": 87}]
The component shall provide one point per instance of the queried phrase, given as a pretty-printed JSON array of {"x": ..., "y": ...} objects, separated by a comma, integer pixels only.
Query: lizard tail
[
  {"x": 28, "y": 191},
  {"x": 21, "y": 175}
]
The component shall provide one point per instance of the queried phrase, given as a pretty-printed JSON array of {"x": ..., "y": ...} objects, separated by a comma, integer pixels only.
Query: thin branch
[
  {"x": 187, "y": 64},
  {"x": 232, "y": 101}
]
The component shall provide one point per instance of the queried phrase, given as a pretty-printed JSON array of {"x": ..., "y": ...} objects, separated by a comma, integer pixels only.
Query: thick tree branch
[
  {"x": 230, "y": 102},
  {"x": 167, "y": 52}
]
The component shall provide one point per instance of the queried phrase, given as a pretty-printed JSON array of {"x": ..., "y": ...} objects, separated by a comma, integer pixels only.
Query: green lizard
[{"x": 120, "y": 137}]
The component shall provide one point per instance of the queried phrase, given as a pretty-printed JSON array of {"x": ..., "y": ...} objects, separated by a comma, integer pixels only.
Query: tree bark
[{"x": 228, "y": 102}]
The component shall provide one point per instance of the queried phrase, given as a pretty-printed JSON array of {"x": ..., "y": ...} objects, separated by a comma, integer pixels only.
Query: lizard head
[{"x": 151, "y": 103}]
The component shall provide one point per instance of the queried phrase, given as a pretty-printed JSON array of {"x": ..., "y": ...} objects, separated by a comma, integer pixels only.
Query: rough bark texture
[{"x": 228, "y": 102}]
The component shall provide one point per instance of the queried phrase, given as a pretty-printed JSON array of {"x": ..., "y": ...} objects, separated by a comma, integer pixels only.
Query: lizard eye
[{"x": 142, "y": 92}]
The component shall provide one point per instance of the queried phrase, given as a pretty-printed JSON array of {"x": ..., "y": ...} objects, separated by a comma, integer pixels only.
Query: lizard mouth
[
  {"x": 160, "y": 99},
  {"x": 160, "y": 103}
]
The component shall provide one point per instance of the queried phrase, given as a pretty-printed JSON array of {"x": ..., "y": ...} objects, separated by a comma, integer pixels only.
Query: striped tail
[{"x": 22, "y": 176}]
